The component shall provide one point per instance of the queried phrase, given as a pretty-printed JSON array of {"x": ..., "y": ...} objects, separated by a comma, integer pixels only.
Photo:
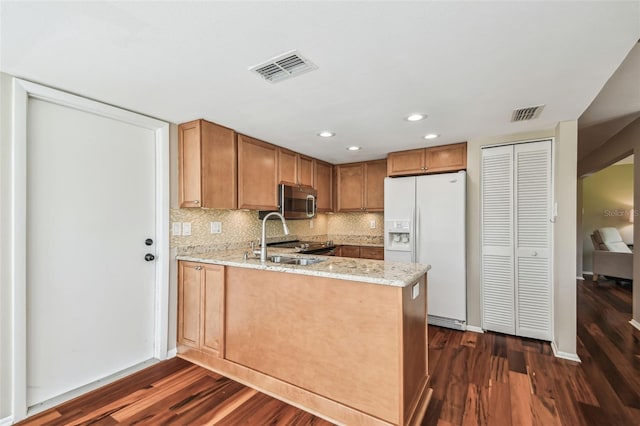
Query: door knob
[
  {"x": 149, "y": 257},
  {"x": 148, "y": 242}
]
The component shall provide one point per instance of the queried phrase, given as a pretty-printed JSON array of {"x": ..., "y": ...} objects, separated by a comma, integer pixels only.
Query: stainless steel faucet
[{"x": 263, "y": 240}]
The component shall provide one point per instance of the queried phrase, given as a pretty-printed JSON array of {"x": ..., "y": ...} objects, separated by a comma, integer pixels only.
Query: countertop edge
[{"x": 306, "y": 270}]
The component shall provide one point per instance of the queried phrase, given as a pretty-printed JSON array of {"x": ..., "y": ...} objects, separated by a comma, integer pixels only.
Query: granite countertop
[{"x": 397, "y": 274}]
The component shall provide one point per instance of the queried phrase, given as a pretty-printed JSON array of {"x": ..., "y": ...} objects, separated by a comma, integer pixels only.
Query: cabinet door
[
  {"x": 496, "y": 195},
  {"x": 189, "y": 287},
  {"x": 376, "y": 253},
  {"x": 406, "y": 163},
  {"x": 532, "y": 211},
  {"x": 212, "y": 306},
  {"x": 350, "y": 187},
  {"x": 446, "y": 158},
  {"x": 375, "y": 172},
  {"x": 219, "y": 166},
  {"x": 306, "y": 170},
  {"x": 257, "y": 174},
  {"x": 287, "y": 166},
  {"x": 189, "y": 158},
  {"x": 350, "y": 251},
  {"x": 324, "y": 186}
]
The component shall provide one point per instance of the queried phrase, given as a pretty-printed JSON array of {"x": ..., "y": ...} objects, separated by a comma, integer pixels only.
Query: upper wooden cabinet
[
  {"x": 257, "y": 174},
  {"x": 294, "y": 168},
  {"x": 323, "y": 183},
  {"x": 360, "y": 186},
  {"x": 207, "y": 159},
  {"x": 306, "y": 170},
  {"x": 374, "y": 174},
  {"x": 437, "y": 159},
  {"x": 201, "y": 306}
]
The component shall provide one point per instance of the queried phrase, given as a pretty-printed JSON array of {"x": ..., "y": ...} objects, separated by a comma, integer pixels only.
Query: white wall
[
  {"x": 5, "y": 234},
  {"x": 564, "y": 248},
  {"x": 173, "y": 263},
  {"x": 564, "y": 238}
]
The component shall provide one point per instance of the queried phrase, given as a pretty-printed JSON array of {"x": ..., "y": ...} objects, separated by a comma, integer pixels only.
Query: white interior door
[
  {"x": 91, "y": 200},
  {"x": 498, "y": 310},
  {"x": 532, "y": 171}
]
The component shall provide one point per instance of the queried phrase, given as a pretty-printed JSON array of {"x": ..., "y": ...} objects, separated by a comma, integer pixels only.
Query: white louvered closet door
[
  {"x": 532, "y": 213},
  {"x": 497, "y": 240},
  {"x": 516, "y": 239}
]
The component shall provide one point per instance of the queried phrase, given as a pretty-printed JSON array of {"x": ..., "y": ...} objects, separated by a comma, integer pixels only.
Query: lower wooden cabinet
[
  {"x": 201, "y": 306},
  {"x": 362, "y": 252},
  {"x": 376, "y": 253}
]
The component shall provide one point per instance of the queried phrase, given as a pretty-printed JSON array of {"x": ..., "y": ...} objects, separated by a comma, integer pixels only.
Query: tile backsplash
[{"x": 239, "y": 227}]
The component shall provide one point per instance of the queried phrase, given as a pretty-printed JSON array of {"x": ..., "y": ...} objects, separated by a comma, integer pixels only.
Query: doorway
[{"x": 91, "y": 244}]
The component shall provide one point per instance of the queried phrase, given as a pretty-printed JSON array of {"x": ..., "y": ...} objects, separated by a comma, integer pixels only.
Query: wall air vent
[
  {"x": 283, "y": 66},
  {"x": 526, "y": 113}
]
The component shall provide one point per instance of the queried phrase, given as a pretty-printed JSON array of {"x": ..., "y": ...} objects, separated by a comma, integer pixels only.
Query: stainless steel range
[{"x": 326, "y": 248}]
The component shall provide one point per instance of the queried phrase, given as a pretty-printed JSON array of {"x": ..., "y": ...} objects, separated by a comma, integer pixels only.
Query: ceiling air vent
[
  {"x": 283, "y": 66},
  {"x": 526, "y": 113}
]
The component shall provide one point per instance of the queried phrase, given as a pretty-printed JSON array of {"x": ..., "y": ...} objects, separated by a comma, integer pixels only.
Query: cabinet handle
[
  {"x": 198, "y": 268},
  {"x": 196, "y": 201}
]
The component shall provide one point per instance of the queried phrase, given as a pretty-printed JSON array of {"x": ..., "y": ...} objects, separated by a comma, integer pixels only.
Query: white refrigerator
[{"x": 425, "y": 223}]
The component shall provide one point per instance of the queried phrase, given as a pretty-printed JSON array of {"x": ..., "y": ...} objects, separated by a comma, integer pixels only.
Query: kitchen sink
[{"x": 302, "y": 261}]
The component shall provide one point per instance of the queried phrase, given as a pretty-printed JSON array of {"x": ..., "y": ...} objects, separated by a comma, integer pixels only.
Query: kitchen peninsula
[{"x": 343, "y": 338}]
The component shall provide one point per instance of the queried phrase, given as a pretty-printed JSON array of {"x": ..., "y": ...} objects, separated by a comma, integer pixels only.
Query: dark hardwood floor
[
  {"x": 493, "y": 379},
  {"x": 478, "y": 379}
]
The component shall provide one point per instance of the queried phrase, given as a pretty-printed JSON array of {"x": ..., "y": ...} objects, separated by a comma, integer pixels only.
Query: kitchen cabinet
[
  {"x": 207, "y": 162},
  {"x": 360, "y": 186},
  {"x": 257, "y": 174},
  {"x": 349, "y": 251},
  {"x": 323, "y": 182},
  {"x": 294, "y": 168},
  {"x": 376, "y": 253},
  {"x": 437, "y": 159},
  {"x": 201, "y": 306},
  {"x": 362, "y": 252}
]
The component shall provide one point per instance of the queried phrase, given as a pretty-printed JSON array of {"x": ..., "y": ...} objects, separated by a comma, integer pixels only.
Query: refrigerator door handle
[
  {"x": 415, "y": 238},
  {"x": 413, "y": 235}
]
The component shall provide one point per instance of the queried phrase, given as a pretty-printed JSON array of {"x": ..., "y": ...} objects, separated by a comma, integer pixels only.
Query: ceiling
[
  {"x": 616, "y": 106},
  {"x": 465, "y": 64}
]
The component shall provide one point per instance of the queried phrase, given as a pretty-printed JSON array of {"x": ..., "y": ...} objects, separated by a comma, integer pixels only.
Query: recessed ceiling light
[
  {"x": 431, "y": 136},
  {"x": 354, "y": 148},
  {"x": 326, "y": 134},
  {"x": 416, "y": 117}
]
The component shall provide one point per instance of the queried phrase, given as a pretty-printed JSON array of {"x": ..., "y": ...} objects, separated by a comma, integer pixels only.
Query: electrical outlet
[
  {"x": 176, "y": 228},
  {"x": 372, "y": 224},
  {"x": 415, "y": 291},
  {"x": 216, "y": 227},
  {"x": 310, "y": 223},
  {"x": 186, "y": 228}
]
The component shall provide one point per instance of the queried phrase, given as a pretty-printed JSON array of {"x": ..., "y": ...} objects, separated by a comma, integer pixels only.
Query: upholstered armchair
[{"x": 611, "y": 256}]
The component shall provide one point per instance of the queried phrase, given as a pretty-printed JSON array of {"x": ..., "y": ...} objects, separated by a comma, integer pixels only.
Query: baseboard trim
[
  {"x": 6, "y": 421},
  {"x": 635, "y": 323},
  {"x": 172, "y": 353},
  {"x": 564, "y": 355},
  {"x": 475, "y": 329},
  {"x": 74, "y": 393}
]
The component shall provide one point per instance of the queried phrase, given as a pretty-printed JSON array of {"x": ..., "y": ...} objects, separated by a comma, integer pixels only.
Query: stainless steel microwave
[{"x": 295, "y": 202}]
